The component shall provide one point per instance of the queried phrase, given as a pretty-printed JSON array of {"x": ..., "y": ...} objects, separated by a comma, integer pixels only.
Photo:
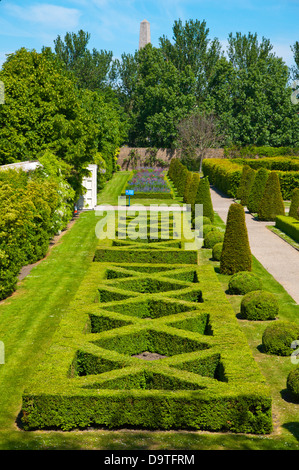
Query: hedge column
[{"x": 236, "y": 254}]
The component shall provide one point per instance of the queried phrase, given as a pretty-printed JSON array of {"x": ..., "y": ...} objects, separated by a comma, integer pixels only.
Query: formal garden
[{"x": 124, "y": 328}]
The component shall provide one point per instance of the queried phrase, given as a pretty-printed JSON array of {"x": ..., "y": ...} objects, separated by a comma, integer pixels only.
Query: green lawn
[{"x": 29, "y": 318}]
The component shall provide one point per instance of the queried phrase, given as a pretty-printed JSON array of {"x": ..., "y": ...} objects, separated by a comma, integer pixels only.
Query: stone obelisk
[{"x": 145, "y": 34}]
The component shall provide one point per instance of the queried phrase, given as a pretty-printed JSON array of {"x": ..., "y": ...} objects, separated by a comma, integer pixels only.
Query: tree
[
  {"x": 192, "y": 47},
  {"x": 161, "y": 97},
  {"x": 250, "y": 93},
  {"x": 91, "y": 68},
  {"x": 295, "y": 50},
  {"x": 236, "y": 254},
  {"x": 271, "y": 203},
  {"x": 196, "y": 134}
]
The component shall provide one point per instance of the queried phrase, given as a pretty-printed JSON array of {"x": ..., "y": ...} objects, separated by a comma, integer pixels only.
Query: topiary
[
  {"x": 181, "y": 181},
  {"x": 259, "y": 305},
  {"x": 293, "y": 382},
  {"x": 257, "y": 190},
  {"x": 217, "y": 249},
  {"x": 236, "y": 254},
  {"x": 278, "y": 337},
  {"x": 246, "y": 182},
  {"x": 208, "y": 228},
  {"x": 294, "y": 207},
  {"x": 203, "y": 196},
  {"x": 243, "y": 282},
  {"x": 186, "y": 198},
  {"x": 271, "y": 203},
  {"x": 213, "y": 237}
]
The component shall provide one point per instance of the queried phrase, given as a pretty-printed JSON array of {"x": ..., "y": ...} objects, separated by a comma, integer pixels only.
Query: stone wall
[{"x": 165, "y": 155}]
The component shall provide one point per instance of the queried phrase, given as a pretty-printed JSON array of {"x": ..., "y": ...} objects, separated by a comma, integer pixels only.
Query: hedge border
[{"x": 236, "y": 400}]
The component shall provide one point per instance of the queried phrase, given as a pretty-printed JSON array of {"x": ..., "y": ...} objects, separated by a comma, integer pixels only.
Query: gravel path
[{"x": 277, "y": 256}]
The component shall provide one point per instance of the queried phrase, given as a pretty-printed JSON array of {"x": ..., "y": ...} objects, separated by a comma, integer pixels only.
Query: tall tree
[
  {"x": 251, "y": 94},
  {"x": 192, "y": 47},
  {"x": 91, "y": 68},
  {"x": 161, "y": 97}
]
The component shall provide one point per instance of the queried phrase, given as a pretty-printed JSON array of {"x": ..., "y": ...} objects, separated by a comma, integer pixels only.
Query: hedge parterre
[{"x": 149, "y": 345}]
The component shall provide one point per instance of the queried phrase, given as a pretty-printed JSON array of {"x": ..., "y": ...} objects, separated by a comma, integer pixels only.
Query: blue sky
[{"x": 114, "y": 24}]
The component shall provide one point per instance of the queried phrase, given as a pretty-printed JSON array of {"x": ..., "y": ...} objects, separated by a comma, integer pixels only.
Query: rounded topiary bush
[
  {"x": 278, "y": 337},
  {"x": 208, "y": 228},
  {"x": 213, "y": 237},
  {"x": 243, "y": 282},
  {"x": 217, "y": 249},
  {"x": 206, "y": 221},
  {"x": 293, "y": 382},
  {"x": 259, "y": 305}
]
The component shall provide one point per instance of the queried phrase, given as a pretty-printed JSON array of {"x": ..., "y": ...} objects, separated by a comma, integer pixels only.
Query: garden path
[{"x": 279, "y": 258}]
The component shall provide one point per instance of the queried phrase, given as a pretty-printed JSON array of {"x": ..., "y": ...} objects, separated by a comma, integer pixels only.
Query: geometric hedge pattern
[{"x": 149, "y": 342}]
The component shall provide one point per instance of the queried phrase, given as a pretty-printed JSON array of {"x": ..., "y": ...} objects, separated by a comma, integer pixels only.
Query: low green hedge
[
  {"x": 289, "y": 226},
  {"x": 206, "y": 377}
]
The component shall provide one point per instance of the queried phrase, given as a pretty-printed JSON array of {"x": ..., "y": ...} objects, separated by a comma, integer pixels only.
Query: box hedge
[
  {"x": 205, "y": 378},
  {"x": 288, "y": 225}
]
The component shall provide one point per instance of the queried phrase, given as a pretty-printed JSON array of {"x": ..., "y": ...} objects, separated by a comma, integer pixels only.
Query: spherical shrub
[
  {"x": 259, "y": 305},
  {"x": 206, "y": 220},
  {"x": 217, "y": 249},
  {"x": 208, "y": 228},
  {"x": 278, "y": 337},
  {"x": 243, "y": 282},
  {"x": 293, "y": 382},
  {"x": 213, "y": 237}
]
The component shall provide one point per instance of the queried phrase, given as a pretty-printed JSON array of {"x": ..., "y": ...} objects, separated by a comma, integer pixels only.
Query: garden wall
[{"x": 160, "y": 155}]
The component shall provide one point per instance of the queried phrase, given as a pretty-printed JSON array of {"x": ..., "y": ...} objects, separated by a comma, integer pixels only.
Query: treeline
[
  {"x": 48, "y": 108},
  {"x": 247, "y": 87}
]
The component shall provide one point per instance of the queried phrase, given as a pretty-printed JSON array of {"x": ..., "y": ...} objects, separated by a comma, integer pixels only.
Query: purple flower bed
[{"x": 149, "y": 180}]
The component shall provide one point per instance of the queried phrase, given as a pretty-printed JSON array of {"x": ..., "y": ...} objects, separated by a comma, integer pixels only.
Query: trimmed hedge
[
  {"x": 257, "y": 190},
  {"x": 271, "y": 203},
  {"x": 236, "y": 254},
  {"x": 243, "y": 282},
  {"x": 278, "y": 337},
  {"x": 246, "y": 182},
  {"x": 259, "y": 305},
  {"x": 203, "y": 196},
  {"x": 289, "y": 226},
  {"x": 205, "y": 378},
  {"x": 213, "y": 237},
  {"x": 293, "y": 382},
  {"x": 294, "y": 207},
  {"x": 217, "y": 250},
  {"x": 226, "y": 175}
]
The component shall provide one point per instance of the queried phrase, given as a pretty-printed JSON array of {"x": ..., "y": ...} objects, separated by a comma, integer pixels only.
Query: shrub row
[
  {"x": 226, "y": 176},
  {"x": 31, "y": 213},
  {"x": 288, "y": 225},
  {"x": 206, "y": 377}
]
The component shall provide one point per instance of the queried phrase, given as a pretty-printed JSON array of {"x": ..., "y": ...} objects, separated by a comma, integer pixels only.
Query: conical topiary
[
  {"x": 257, "y": 190},
  {"x": 271, "y": 203},
  {"x": 193, "y": 188},
  {"x": 236, "y": 254},
  {"x": 181, "y": 181},
  {"x": 203, "y": 196},
  {"x": 187, "y": 187},
  {"x": 246, "y": 182},
  {"x": 294, "y": 207}
]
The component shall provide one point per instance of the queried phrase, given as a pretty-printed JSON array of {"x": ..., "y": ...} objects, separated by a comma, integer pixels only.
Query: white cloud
[{"x": 46, "y": 15}]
